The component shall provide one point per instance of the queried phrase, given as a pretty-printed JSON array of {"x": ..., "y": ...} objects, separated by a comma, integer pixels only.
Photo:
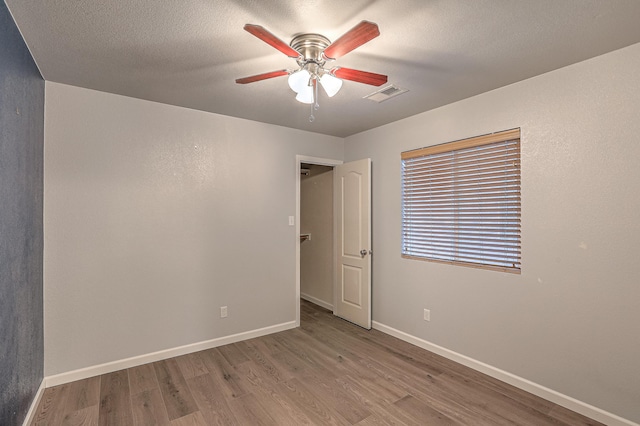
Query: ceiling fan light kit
[
  {"x": 312, "y": 51},
  {"x": 305, "y": 95},
  {"x": 299, "y": 80},
  {"x": 330, "y": 84}
]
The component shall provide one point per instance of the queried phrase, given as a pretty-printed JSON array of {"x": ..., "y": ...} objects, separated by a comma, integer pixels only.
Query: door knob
[{"x": 363, "y": 252}]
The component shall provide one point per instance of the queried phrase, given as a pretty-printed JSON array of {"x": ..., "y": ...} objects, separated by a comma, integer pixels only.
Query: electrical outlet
[
  {"x": 427, "y": 315},
  {"x": 223, "y": 311}
]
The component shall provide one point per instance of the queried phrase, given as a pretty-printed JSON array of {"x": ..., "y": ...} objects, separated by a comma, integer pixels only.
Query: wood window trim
[{"x": 462, "y": 144}]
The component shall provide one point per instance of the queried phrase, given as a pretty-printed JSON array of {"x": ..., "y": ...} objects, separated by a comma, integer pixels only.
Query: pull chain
[{"x": 315, "y": 105}]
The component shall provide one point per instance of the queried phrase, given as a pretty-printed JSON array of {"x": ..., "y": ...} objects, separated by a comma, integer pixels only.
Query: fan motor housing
[{"x": 310, "y": 46}]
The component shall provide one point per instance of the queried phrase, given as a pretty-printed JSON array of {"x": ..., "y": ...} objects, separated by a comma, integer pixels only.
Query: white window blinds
[{"x": 461, "y": 202}]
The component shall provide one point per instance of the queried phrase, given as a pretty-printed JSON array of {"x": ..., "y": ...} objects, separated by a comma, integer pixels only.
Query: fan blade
[
  {"x": 260, "y": 77},
  {"x": 271, "y": 40},
  {"x": 355, "y": 37},
  {"x": 359, "y": 76}
]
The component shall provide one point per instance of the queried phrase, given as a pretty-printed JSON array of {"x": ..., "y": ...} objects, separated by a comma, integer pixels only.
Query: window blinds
[{"x": 461, "y": 202}]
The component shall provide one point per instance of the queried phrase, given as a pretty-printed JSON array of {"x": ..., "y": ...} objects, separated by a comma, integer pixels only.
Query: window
[{"x": 461, "y": 202}]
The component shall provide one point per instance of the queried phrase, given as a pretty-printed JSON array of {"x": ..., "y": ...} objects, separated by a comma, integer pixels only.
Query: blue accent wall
[{"x": 21, "y": 231}]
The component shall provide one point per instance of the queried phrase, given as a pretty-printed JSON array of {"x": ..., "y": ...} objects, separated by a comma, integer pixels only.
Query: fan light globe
[
  {"x": 305, "y": 95},
  {"x": 299, "y": 80},
  {"x": 330, "y": 84}
]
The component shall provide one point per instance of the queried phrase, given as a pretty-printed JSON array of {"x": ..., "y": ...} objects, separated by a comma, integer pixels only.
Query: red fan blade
[
  {"x": 271, "y": 40},
  {"x": 359, "y": 76},
  {"x": 355, "y": 37},
  {"x": 260, "y": 77}
]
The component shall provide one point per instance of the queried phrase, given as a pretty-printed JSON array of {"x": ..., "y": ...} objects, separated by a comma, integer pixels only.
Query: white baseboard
[
  {"x": 519, "y": 382},
  {"x": 34, "y": 404},
  {"x": 110, "y": 367},
  {"x": 317, "y": 301}
]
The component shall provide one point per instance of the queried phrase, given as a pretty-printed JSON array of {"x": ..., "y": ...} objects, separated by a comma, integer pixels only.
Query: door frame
[{"x": 321, "y": 162}]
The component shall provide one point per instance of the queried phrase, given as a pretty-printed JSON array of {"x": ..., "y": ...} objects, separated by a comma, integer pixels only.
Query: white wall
[
  {"x": 316, "y": 218},
  {"x": 155, "y": 216},
  {"x": 571, "y": 321}
]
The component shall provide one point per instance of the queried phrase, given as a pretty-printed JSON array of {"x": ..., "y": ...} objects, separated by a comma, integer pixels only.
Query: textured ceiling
[{"x": 189, "y": 53}]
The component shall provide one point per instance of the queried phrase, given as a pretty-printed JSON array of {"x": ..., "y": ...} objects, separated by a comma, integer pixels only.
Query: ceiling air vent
[{"x": 385, "y": 93}]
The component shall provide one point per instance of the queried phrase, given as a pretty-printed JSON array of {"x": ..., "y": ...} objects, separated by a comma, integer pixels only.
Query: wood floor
[{"x": 327, "y": 372}]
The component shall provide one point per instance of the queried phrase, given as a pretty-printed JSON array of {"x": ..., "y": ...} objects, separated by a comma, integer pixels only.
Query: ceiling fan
[{"x": 312, "y": 52}]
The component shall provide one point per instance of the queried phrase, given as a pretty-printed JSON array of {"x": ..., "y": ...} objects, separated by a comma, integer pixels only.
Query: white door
[{"x": 352, "y": 203}]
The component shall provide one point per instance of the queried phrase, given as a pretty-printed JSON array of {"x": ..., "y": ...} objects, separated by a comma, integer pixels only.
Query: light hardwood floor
[{"x": 327, "y": 372}]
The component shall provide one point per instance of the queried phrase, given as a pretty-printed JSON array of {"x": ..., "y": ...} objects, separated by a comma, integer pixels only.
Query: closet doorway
[
  {"x": 328, "y": 163},
  {"x": 319, "y": 295},
  {"x": 333, "y": 224},
  {"x": 316, "y": 234}
]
